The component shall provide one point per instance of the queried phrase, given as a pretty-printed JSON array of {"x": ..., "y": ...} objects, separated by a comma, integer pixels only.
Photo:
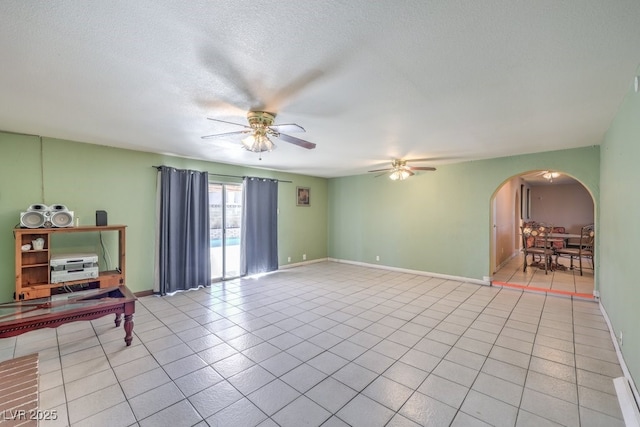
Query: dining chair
[
  {"x": 541, "y": 247},
  {"x": 584, "y": 249}
]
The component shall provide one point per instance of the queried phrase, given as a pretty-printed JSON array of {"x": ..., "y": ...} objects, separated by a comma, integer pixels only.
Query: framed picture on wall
[{"x": 303, "y": 196}]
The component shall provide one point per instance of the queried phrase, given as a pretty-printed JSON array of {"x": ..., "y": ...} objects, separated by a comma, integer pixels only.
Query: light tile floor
[
  {"x": 565, "y": 280},
  {"x": 334, "y": 345}
]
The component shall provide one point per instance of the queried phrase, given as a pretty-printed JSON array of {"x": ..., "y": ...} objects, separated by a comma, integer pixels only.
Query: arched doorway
[{"x": 540, "y": 197}]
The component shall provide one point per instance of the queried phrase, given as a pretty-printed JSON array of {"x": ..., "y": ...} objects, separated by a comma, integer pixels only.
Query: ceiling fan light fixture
[
  {"x": 550, "y": 175},
  {"x": 400, "y": 174},
  {"x": 400, "y": 171},
  {"x": 258, "y": 143}
]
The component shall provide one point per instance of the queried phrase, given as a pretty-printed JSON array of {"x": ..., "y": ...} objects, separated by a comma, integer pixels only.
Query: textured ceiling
[{"x": 368, "y": 80}]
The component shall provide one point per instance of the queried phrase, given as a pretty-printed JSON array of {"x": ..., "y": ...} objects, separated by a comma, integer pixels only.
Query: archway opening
[{"x": 541, "y": 197}]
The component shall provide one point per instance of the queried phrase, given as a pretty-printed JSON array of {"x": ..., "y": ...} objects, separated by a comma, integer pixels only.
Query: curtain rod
[{"x": 242, "y": 177}]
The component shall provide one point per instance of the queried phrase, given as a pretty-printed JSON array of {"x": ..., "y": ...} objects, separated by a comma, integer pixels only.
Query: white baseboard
[
  {"x": 416, "y": 272},
  {"x": 628, "y": 396},
  {"x": 298, "y": 264}
]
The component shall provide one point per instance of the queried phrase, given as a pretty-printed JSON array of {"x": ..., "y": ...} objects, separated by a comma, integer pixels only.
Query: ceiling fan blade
[
  {"x": 381, "y": 174},
  {"x": 224, "y": 121},
  {"x": 380, "y": 170},
  {"x": 421, "y": 168},
  {"x": 289, "y": 127},
  {"x": 291, "y": 90},
  {"x": 217, "y": 135},
  {"x": 297, "y": 141},
  {"x": 221, "y": 67}
]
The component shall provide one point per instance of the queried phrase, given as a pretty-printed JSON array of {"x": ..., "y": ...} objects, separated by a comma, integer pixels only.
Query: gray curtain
[
  {"x": 183, "y": 260},
  {"x": 259, "y": 243}
]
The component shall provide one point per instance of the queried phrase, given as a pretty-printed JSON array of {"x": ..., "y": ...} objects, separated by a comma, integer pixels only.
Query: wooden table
[
  {"x": 564, "y": 235},
  {"x": 24, "y": 316},
  {"x": 551, "y": 239}
]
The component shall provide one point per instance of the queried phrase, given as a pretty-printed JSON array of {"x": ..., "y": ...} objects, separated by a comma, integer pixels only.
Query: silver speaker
[
  {"x": 38, "y": 208},
  {"x": 58, "y": 208},
  {"x": 33, "y": 219},
  {"x": 61, "y": 219}
]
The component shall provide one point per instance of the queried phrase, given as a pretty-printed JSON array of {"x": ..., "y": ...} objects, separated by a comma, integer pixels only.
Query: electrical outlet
[
  {"x": 377, "y": 257},
  {"x": 289, "y": 259},
  {"x": 304, "y": 257},
  {"x": 620, "y": 339}
]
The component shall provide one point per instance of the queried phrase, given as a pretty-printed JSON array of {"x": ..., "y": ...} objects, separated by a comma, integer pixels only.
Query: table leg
[
  {"x": 128, "y": 328},
  {"x": 118, "y": 319}
]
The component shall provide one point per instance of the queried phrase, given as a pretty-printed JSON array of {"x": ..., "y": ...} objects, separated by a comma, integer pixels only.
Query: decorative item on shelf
[
  {"x": 26, "y": 247},
  {"x": 38, "y": 244},
  {"x": 43, "y": 216}
]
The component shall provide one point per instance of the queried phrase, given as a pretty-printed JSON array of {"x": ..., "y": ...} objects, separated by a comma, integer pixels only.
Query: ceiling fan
[
  {"x": 549, "y": 175},
  {"x": 543, "y": 176},
  {"x": 259, "y": 130},
  {"x": 400, "y": 171}
]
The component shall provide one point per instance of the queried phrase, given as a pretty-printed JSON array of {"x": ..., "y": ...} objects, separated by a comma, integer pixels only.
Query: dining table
[
  {"x": 553, "y": 238},
  {"x": 560, "y": 237},
  {"x": 565, "y": 235}
]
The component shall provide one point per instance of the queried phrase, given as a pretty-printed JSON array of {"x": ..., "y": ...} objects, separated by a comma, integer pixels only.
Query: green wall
[
  {"x": 87, "y": 177},
  {"x": 620, "y": 226},
  {"x": 434, "y": 222},
  {"x": 437, "y": 222}
]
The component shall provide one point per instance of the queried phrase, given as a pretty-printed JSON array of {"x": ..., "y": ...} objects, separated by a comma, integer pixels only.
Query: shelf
[
  {"x": 33, "y": 266},
  {"x": 109, "y": 273},
  {"x": 36, "y": 285}
]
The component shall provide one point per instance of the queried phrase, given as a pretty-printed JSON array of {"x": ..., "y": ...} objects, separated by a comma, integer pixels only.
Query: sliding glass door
[{"x": 225, "y": 213}]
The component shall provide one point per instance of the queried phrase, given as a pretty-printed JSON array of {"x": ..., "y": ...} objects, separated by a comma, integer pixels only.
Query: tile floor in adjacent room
[
  {"x": 334, "y": 344},
  {"x": 562, "y": 279}
]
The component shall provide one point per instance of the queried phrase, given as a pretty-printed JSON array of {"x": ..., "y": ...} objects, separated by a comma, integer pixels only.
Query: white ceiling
[{"x": 369, "y": 80}]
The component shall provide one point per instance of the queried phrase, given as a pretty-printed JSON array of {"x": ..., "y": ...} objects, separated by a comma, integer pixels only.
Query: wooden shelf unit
[{"x": 33, "y": 270}]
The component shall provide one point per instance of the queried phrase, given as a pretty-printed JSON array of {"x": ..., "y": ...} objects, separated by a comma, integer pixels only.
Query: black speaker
[{"x": 101, "y": 218}]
